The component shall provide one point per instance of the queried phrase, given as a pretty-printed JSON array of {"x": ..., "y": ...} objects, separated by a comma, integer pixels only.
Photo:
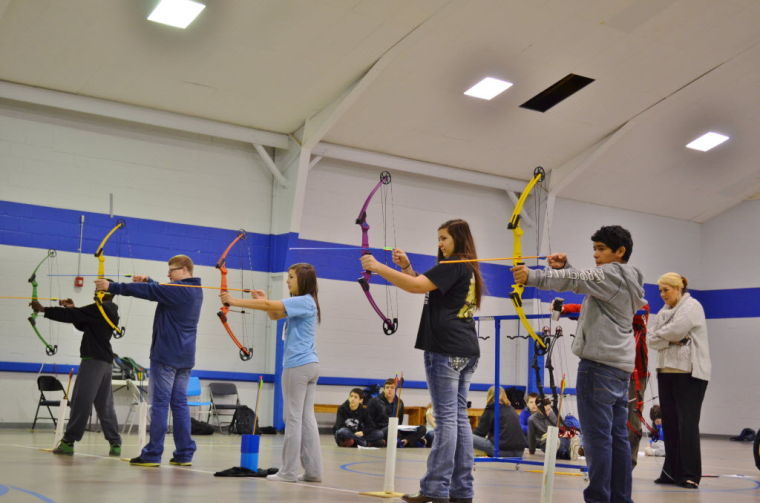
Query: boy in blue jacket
[
  {"x": 605, "y": 345},
  {"x": 172, "y": 355}
]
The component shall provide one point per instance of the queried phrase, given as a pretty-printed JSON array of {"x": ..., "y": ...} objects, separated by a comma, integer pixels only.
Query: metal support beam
[
  {"x": 139, "y": 115},
  {"x": 397, "y": 163},
  {"x": 269, "y": 163}
]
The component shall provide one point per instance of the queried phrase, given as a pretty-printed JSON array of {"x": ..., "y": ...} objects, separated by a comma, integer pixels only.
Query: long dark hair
[
  {"x": 464, "y": 248},
  {"x": 306, "y": 279}
]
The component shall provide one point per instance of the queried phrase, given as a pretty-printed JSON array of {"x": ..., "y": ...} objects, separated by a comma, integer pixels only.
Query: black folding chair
[
  {"x": 224, "y": 401},
  {"x": 48, "y": 384}
]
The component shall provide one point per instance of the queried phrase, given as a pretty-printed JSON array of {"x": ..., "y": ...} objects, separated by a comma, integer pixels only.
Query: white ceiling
[{"x": 665, "y": 71}]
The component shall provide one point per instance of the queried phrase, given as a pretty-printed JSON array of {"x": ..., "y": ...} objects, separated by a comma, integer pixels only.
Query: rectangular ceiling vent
[{"x": 557, "y": 92}]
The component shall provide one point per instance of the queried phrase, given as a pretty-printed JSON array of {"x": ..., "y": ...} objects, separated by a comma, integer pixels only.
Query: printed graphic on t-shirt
[{"x": 468, "y": 309}]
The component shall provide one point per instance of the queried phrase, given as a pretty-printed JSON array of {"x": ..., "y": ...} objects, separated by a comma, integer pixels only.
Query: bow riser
[
  {"x": 389, "y": 325},
  {"x": 514, "y": 225},
  {"x": 221, "y": 264},
  {"x": 50, "y": 349},
  {"x": 118, "y": 333}
]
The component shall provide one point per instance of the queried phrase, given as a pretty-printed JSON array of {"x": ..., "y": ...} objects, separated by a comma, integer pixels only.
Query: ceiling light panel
[
  {"x": 488, "y": 88},
  {"x": 177, "y": 13},
  {"x": 707, "y": 141}
]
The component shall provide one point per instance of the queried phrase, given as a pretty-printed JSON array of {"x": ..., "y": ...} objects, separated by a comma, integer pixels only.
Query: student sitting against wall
[
  {"x": 656, "y": 445},
  {"x": 529, "y": 410},
  {"x": 511, "y": 440},
  {"x": 353, "y": 426},
  {"x": 387, "y": 405},
  {"x": 429, "y": 425},
  {"x": 538, "y": 425}
]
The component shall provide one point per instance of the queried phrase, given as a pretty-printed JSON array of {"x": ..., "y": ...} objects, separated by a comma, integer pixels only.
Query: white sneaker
[
  {"x": 276, "y": 477},
  {"x": 304, "y": 478},
  {"x": 575, "y": 444}
]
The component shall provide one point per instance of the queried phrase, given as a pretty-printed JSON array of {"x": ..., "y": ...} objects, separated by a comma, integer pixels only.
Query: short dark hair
[
  {"x": 614, "y": 237},
  {"x": 655, "y": 413},
  {"x": 359, "y": 392},
  {"x": 390, "y": 380}
]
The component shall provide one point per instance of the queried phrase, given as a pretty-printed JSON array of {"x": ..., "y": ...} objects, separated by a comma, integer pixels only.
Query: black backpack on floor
[
  {"x": 200, "y": 428},
  {"x": 242, "y": 420}
]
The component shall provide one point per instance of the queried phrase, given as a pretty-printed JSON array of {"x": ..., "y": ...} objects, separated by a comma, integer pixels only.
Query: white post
[
  {"x": 550, "y": 459},
  {"x": 390, "y": 456},
  {"x": 61, "y": 420},
  {"x": 142, "y": 425},
  {"x": 390, "y": 464}
]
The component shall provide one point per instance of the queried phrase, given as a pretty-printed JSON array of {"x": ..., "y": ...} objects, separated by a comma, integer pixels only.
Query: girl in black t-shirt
[{"x": 448, "y": 338}]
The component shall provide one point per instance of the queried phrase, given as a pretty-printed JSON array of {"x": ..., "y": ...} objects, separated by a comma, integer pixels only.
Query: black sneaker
[
  {"x": 421, "y": 498},
  {"x": 138, "y": 461},
  {"x": 176, "y": 462}
]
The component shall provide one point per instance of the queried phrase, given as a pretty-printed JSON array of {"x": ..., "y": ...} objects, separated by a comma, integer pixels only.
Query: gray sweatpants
[
  {"x": 299, "y": 389},
  {"x": 93, "y": 386}
]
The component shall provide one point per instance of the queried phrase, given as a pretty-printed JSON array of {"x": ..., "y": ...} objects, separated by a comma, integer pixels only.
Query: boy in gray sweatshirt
[{"x": 605, "y": 345}]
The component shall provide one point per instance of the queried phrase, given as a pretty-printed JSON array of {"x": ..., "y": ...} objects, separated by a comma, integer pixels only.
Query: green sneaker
[
  {"x": 115, "y": 450},
  {"x": 64, "y": 448}
]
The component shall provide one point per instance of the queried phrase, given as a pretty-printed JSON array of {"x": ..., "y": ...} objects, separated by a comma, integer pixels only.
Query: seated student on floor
[
  {"x": 530, "y": 408},
  {"x": 538, "y": 425},
  {"x": 387, "y": 405},
  {"x": 353, "y": 426},
  {"x": 656, "y": 445},
  {"x": 429, "y": 425},
  {"x": 511, "y": 440}
]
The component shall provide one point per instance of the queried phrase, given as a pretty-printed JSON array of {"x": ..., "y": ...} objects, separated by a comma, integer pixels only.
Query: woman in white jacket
[{"x": 679, "y": 334}]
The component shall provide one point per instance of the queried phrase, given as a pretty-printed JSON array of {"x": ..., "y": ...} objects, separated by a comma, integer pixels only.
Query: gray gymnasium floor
[{"x": 28, "y": 474}]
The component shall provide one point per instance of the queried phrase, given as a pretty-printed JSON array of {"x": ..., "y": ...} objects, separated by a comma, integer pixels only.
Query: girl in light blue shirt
[{"x": 301, "y": 370}]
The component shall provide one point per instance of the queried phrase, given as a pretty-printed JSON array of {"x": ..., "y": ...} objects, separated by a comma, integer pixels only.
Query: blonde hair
[
  {"x": 502, "y": 396},
  {"x": 673, "y": 280},
  {"x": 182, "y": 261}
]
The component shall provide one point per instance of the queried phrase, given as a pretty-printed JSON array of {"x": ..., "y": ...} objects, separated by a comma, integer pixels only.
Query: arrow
[
  {"x": 348, "y": 248},
  {"x": 32, "y": 298},
  {"x": 540, "y": 257}
]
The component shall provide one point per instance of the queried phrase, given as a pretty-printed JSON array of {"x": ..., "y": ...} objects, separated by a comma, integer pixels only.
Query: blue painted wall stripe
[
  {"x": 44, "y": 227},
  {"x": 212, "y": 375}
]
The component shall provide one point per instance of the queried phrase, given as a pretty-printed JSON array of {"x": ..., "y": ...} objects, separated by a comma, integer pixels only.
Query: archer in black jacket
[
  {"x": 353, "y": 425},
  {"x": 93, "y": 382}
]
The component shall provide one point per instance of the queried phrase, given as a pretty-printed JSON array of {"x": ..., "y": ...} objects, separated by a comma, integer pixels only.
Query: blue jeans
[
  {"x": 603, "y": 411},
  {"x": 167, "y": 387},
  {"x": 485, "y": 445},
  {"x": 449, "y": 465}
]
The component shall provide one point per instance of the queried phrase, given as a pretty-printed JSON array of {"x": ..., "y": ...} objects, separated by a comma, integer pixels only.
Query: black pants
[
  {"x": 411, "y": 437},
  {"x": 681, "y": 398},
  {"x": 93, "y": 386}
]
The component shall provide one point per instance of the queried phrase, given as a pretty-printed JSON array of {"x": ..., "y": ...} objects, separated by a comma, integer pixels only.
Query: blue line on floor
[{"x": 32, "y": 493}]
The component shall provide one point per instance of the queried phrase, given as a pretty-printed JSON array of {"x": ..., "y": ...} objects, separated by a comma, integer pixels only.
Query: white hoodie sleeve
[{"x": 677, "y": 326}]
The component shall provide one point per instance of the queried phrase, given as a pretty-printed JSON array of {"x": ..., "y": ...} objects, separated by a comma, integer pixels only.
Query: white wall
[
  {"x": 729, "y": 249},
  {"x": 69, "y": 161}
]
